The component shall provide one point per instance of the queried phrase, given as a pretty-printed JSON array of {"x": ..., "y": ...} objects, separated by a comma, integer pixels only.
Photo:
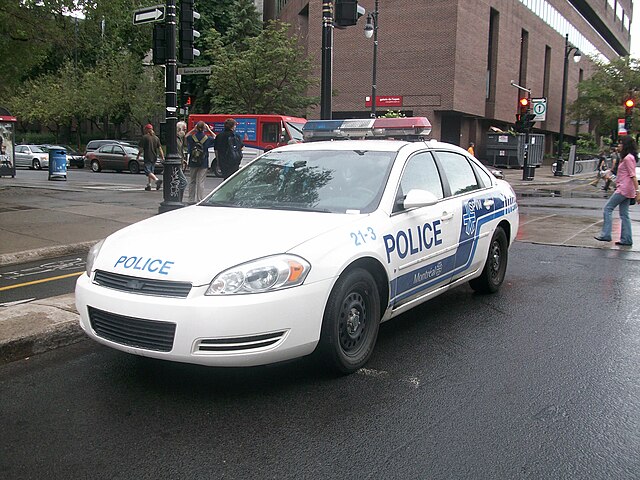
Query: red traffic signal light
[
  {"x": 188, "y": 104},
  {"x": 523, "y": 105},
  {"x": 629, "y": 103}
]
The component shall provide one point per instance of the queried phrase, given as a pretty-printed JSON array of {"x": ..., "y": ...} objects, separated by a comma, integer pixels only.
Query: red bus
[{"x": 260, "y": 133}]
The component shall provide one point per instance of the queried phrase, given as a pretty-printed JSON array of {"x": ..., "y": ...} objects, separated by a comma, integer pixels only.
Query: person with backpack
[
  {"x": 198, "y": 144},
  {"x": 228, "y": 147}
]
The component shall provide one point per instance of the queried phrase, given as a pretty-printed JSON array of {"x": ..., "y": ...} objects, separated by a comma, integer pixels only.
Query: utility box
[{"x": 506, "y": 150}]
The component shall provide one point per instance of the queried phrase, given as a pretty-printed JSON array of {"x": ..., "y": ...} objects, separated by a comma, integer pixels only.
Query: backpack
[
  {"x": 196, "y": 156},
  {"x": 235, "y": 149}
]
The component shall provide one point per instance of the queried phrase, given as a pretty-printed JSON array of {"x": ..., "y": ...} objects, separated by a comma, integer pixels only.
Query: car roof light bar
[{"x": 407, "y": 128}]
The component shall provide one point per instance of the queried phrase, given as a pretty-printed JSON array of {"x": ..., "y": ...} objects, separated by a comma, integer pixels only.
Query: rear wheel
[
  {"x": 95, "y": 166},
  {"x": 134, "y": 167},
  {"x": 215, "y": 168},
  {"x": 495, "y": 266},
  {"x": 351, "y": 322},
  {"x": 35, "y": 164}
]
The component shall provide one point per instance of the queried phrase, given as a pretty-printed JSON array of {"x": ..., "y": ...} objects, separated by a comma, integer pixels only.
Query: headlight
[
  {"x": 262, "y": 275},
  {"x": 92, "y": 255}
]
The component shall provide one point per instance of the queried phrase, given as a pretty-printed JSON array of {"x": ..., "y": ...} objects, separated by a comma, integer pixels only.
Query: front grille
[
  {"x": 142, "y": 286},
  {"x": 239, "y": 343},
  {"x": 134, "y": 332}
]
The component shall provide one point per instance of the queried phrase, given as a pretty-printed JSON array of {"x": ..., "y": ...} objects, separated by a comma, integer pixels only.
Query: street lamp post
[
  {"x": 568, "y": 48},
  {"x": 371, "y": 29}
]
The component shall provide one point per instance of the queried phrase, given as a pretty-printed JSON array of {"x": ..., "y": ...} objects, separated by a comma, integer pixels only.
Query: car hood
[{"x": 194, "y": 244}]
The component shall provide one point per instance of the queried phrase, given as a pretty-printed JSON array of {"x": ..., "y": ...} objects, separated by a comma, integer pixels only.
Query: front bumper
[{"x": 233, "y": 331}]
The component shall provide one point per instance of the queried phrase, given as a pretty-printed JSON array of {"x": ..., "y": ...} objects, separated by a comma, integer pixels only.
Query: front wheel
[
  {"x": 351, "y": 322},
  {"x": 95, "y": 166},
  {"x": 495, "y": 266},
  {"x": 35, "y": 164}
]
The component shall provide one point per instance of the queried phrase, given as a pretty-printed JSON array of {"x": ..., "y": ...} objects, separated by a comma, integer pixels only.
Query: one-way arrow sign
[{"x": 149, "y": 14}]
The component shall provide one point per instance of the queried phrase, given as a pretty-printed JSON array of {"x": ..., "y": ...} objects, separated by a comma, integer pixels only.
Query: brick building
[{"x": 454, "y": 61}]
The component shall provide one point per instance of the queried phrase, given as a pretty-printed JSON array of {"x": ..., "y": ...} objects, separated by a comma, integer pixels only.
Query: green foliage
[
  {"x": 586, "y": 144},
  {"x": 393, "y": 114},
  {"x": 271, "y": 76},
  {"x": 601, "y": 96}
]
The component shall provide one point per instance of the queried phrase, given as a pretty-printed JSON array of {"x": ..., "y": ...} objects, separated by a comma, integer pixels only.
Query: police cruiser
[{"x": 306, "y": 249}]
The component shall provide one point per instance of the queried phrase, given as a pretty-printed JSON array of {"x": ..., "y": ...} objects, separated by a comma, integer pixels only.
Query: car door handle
[
  {"x": 446, "y": 216},
  {"x": 488, "y": 203}
]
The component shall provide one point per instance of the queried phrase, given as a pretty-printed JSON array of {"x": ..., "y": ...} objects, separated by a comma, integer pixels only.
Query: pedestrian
[
  {"x": 627, "y": 193},
  {"x": 199, "y": 140},
  {"x": 181, "y": 131},
  {"x": 471, "y": 148},
  {"x": 601, "y": 168},
  {"x": 610, "y": 175},
  {"x": 228, "y": 147},
  {"x": 150, "y": 149}
]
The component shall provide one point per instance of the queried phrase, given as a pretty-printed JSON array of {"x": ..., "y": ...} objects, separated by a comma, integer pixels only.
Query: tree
[
  {"x": 271, "y": 76},
  {"x": 601, "y": 97}
]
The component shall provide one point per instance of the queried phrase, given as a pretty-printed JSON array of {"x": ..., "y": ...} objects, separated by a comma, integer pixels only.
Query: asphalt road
[
  {"x": 40, "y": 279},
  {"x": 537, "y": 381}
]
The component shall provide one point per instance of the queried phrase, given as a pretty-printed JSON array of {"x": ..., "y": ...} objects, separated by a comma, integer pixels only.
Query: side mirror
[
  {"x": 419, "y": 198},
  {"x": 498, "y": 174}
]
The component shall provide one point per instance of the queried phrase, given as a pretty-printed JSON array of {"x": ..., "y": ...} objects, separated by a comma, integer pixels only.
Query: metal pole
[
  {"x": 171, "y": 191},
  {"x": 327, "y": 59},
  {"x": 374, "y": 87},
  {"x": 559, "y": 164}
]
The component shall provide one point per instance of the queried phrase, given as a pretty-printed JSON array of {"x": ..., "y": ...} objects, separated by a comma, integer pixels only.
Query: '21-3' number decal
[{"x": 359, "y": 238}]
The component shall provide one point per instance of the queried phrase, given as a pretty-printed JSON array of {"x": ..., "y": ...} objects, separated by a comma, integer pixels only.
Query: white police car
[{"x": 306, "y": 249}]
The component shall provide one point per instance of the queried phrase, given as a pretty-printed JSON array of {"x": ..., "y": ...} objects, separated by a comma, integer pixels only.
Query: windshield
[
  {"x": 130, "y": 150},
  {"x": 37, "y": 149},
  {"x": 295, "y": 129},
  {"x": 310, "y": 180}
]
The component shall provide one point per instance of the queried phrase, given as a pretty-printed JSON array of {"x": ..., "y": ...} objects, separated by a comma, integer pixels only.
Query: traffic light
[
  {"x": 628, "y": 113},
  {"x": 347, "y": 12},
  {"x": 159, "y": 49},
  {"x": 524, "y": 117},
  {"x": 187, "y": 34}
]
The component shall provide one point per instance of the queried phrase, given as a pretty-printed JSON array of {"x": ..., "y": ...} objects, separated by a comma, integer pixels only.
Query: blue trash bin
[{"x": 57, "y": 164}]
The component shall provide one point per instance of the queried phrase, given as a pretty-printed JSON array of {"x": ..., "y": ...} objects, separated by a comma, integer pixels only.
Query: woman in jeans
[{"x": 626, "y": 191}]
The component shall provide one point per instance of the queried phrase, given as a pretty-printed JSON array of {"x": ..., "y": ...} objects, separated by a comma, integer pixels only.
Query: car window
[
  {"x": 309, "y": 180},
  {"x": 458, "y": 172},
  {"x": 270, "y": 132},
  {"x": 19, "y": 149},
  {"x": 483, "y": 176},
  {"x": 105, "y": 149},
  {"x": 117, "y": 149},
  {"x": 421, "y": 172}
]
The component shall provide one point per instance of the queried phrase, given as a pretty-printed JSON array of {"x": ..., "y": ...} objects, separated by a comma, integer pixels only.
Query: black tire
[
  {"x": 215, "y": 168},
  {"x": 134, "y": 167},
  {"x": 495, "y": 266},
  {"x": 95, "y": 166},
  {"x": 35, "y": 164},
  {"x": 351, "y": 322}
]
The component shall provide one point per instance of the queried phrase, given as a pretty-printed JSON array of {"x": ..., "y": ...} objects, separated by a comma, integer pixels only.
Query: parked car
[
  {"x": 96, "y": 144},
  {"x": 74, "y": 157},
  {"x": 32, "y": 156},
  {"x": 118, "y": 157}
]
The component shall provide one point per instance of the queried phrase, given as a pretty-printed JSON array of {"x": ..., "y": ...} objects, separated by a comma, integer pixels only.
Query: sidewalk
[{"x": 57, "y": 219}]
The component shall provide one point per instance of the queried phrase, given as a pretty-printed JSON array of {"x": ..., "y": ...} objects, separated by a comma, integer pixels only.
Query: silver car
[{"x": 31, "y": 156}]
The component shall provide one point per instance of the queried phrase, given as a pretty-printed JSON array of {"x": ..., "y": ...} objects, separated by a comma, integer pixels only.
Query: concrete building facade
[{"x": 454, "y": 61}]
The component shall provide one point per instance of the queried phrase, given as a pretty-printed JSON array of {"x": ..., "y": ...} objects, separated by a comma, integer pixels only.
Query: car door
[
  {"x": 105, "y": 154},
  {"x": 20, "y": 157},
  {"x": 118, "y": 158},
  {"x": 420, "y": 247},
  {"x": 472, "y": 202}
]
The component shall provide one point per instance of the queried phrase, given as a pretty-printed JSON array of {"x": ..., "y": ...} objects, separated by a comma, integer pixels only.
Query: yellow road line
[{"x": 43, "y": 280}]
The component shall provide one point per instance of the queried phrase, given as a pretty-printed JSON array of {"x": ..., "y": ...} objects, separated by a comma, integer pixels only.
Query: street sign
[
  {"x": 539, "y": 109},
  {"x": 194, "y": 70},
  {"x": 149, "y": 14}
]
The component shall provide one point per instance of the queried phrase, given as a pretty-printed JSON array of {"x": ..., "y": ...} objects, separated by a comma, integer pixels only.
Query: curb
[
  {"x": 46, "y": 252},
  {"x": 59, "y": 335}
]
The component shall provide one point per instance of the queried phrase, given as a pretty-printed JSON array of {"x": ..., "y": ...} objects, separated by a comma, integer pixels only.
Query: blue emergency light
[{"x": 408, "y": 128}]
